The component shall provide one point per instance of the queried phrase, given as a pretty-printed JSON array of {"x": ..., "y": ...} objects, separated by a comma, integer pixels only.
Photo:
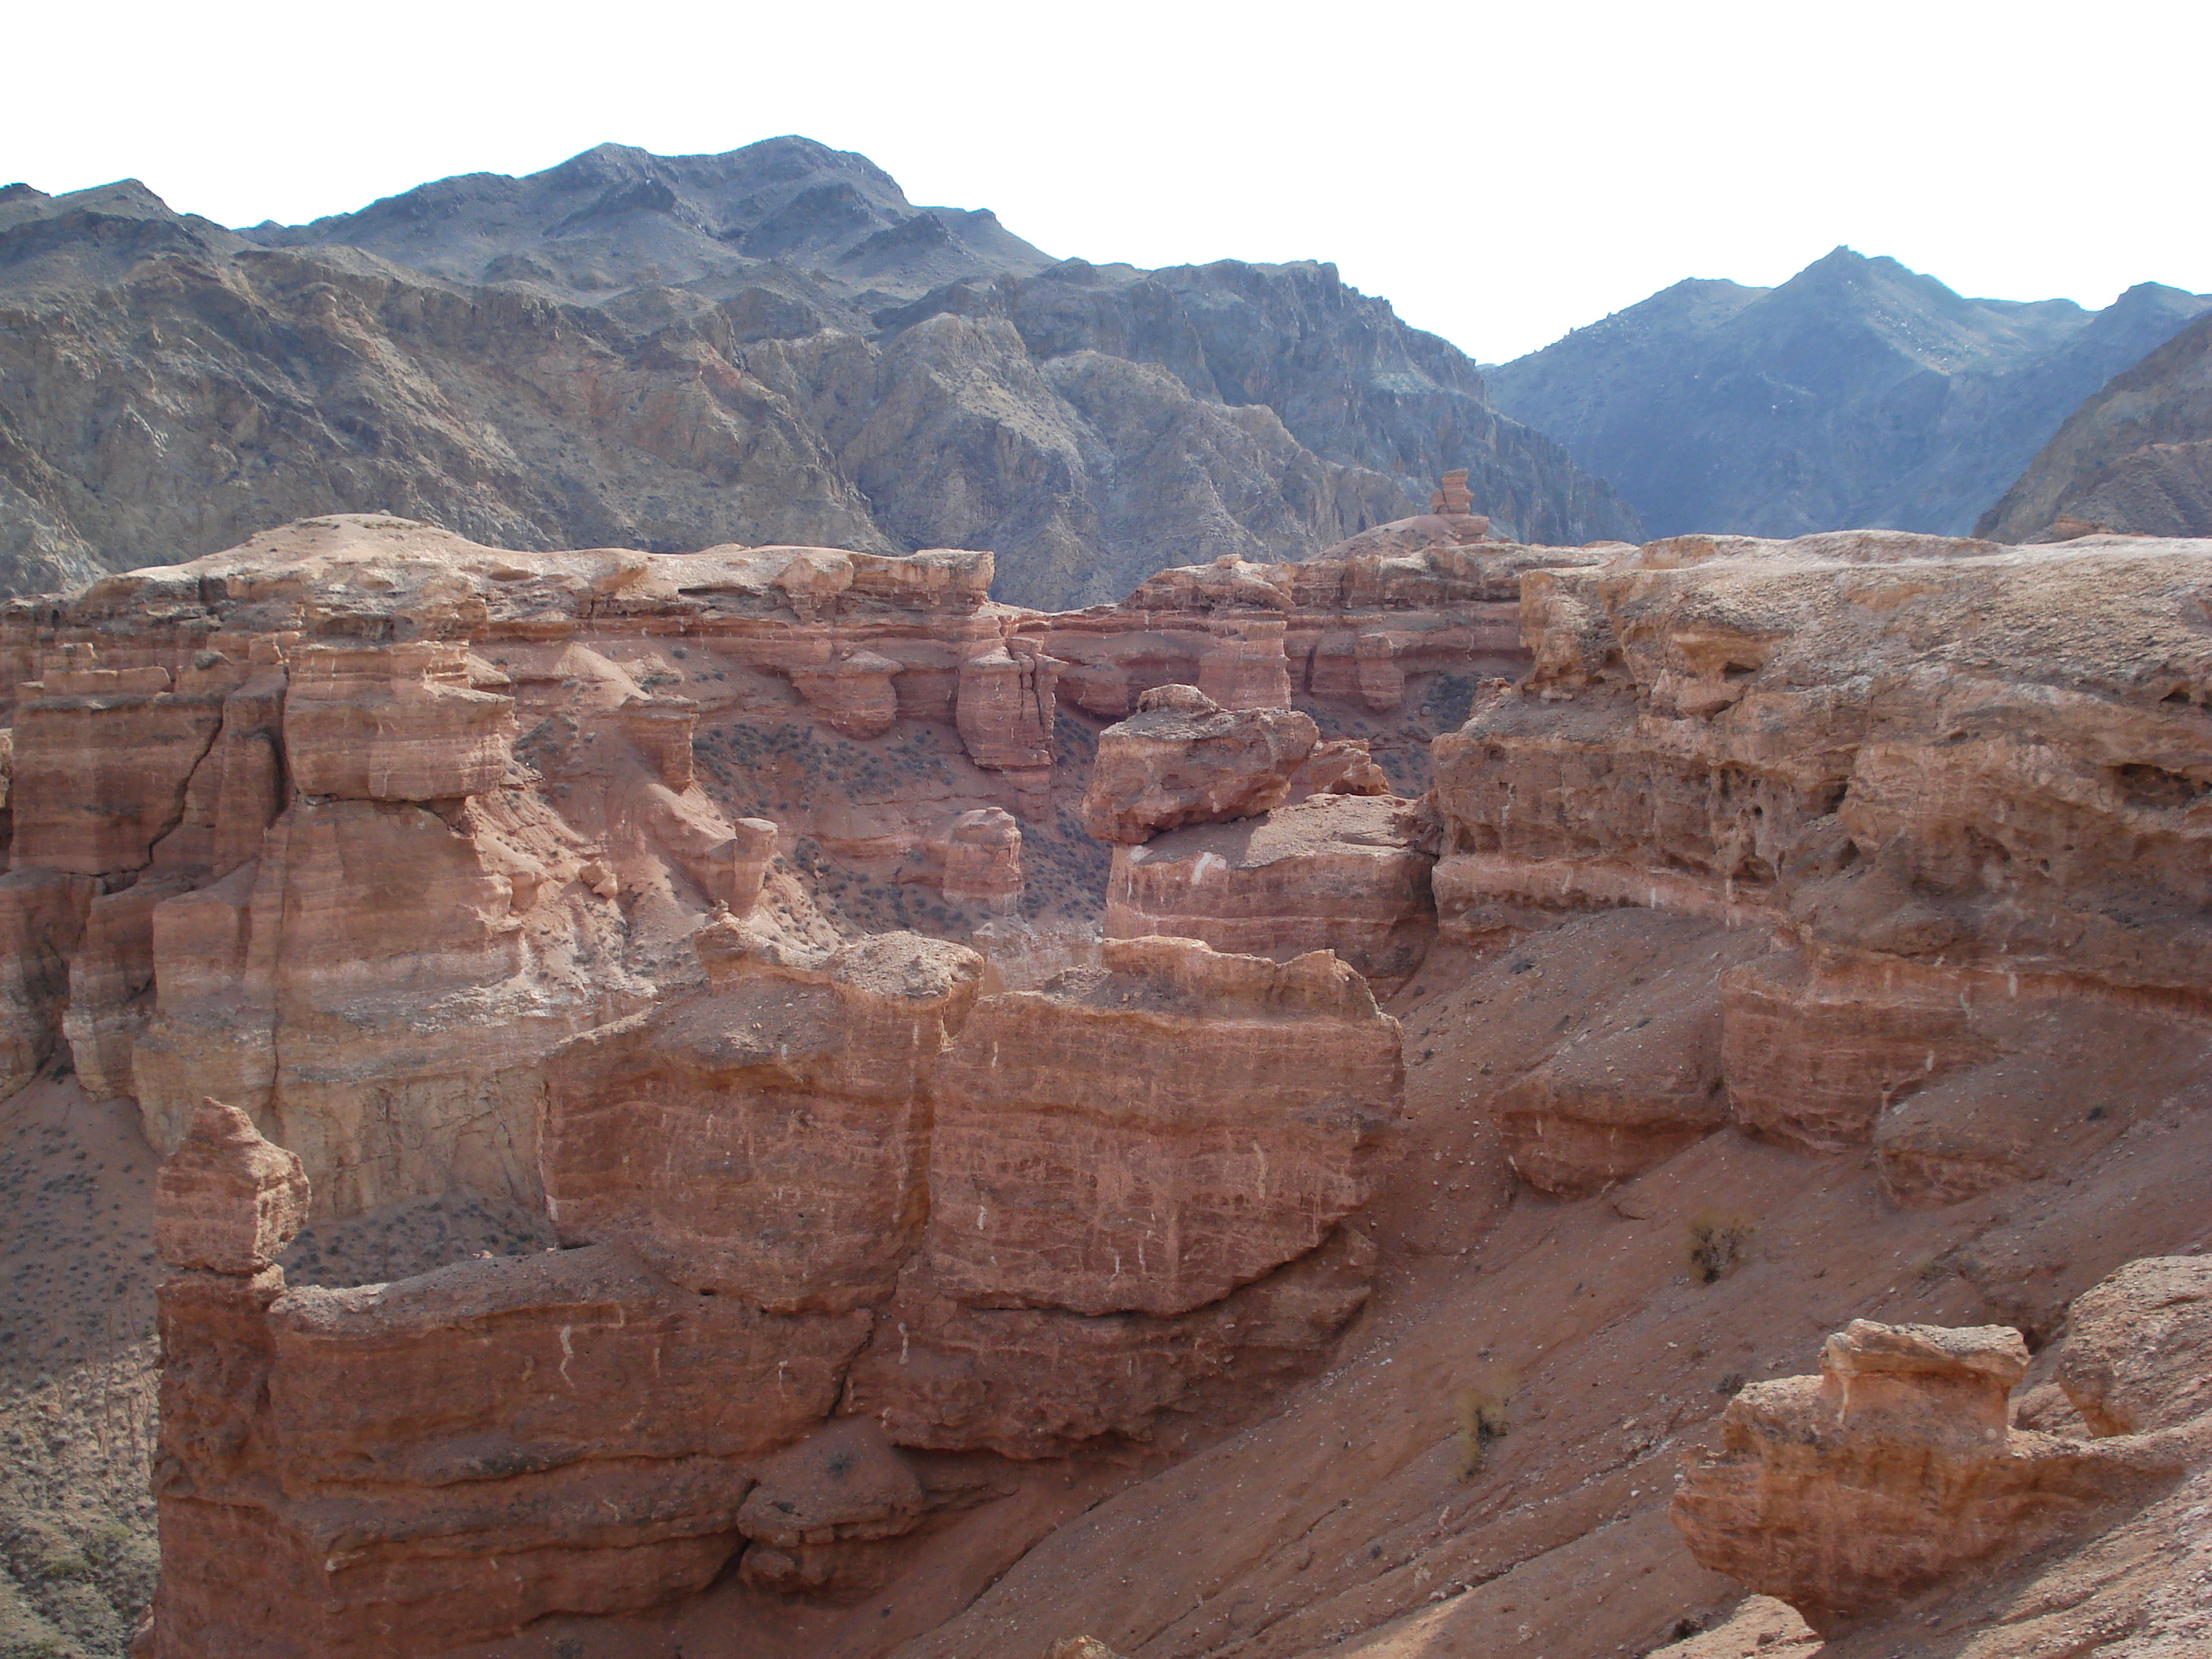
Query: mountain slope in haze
[
  {"x": 768, "y": 346},
  {"x": 1858, "y": 393},
  {"x": 2136, "y": 457}
]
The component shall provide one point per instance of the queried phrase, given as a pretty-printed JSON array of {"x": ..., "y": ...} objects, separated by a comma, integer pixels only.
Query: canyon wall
[
  {"x": 1964, "y": 789},
  {"x": 841, "y": 1185},
  {"x": 734, "y": 913},
  {"x": 351, "y": 827},
  {"x": 546, "y": 882}
]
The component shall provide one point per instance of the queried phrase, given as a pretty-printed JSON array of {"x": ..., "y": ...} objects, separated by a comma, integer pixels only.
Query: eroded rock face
[
  {"x": 1145, "y": 1137},
  {"x": 766, "y": 1138},
  {"x": 1004, "y": 706},
  {"x": 412, "y": 1466},
  {"x": 398, "y": 722},
  {"x": 855, "y": 695},
  {"x": 102, "y": 758},
  {"x": 1910, "y": 759},
  {"x": 1342, "y": 766},
  {"x": 1027, "y": 1382},
  {"x": 1380, "y": 630},
  {"x": 384, "y": 816},
  {"x": 982, "y": 859},
  {"x": 743, "y": 1177},
  {"x": 1847, "y": 1494},
  {"x": 1341, "y": 873},
  {"x": 316, "y": 838},
  {"x": 1183, "y": 758},
  {"x": 1911, "y": 745}
]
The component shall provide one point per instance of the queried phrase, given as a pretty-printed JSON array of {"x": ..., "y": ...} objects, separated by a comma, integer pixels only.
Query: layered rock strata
[
  {"x": 766, "y": 1138},
  {"x": 1963, "y": 786},
  {"x": 358, "y": 877},
  {"x": 1897, "y": 1469},
  {"x": 409, "y": 1467},
  {"x": 221, "y": 769},
  {"x": 1373, "y": 628},
  {"x": 1332, "y": 872},
  {"x": 748, "y": 1180}
]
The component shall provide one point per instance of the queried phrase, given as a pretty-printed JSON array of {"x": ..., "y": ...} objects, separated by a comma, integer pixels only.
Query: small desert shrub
[
  {"x": 1482, "y": 1415},
  {"x": 1719, "y": 1243}
]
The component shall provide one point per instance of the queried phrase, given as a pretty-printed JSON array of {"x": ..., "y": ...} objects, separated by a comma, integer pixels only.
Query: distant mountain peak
[{"x": 1860, "y": 393}]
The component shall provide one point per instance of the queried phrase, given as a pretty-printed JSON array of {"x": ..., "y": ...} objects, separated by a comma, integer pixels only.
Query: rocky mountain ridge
[
  {"x": 2135, "y": 459},
  {"x": 1858, "y": 393},
  {"x": 770, "y": 347}
]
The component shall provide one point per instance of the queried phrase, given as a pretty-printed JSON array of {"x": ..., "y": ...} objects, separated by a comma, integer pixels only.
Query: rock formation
[
  {"x": 898, "y": 1217},
  {"x": 749, "y": 1179},
  {"x": 2138, "y": 1357},
  {"x": 979, "y": 859},
  {"x": 408, "y": 1467},
  {"x": 1913, "y": 759},
  {"x": 228, "y": 1202},
  {"x": 1148, "y": 1136},
  {"x": 1898, "y": 1468},
  {"x": 771, "y": 346},
  {"x": 766, "y": 1137},
  {"x": 1336, "y": 872},
  {"x": 221, "y": 770},
  {"x": 1182, "y": 758},
  {"x": 1857, "y": 393}
]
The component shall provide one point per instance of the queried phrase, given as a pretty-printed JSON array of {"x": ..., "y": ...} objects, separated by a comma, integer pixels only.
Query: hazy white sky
[{"x": 1502, "y": 172}]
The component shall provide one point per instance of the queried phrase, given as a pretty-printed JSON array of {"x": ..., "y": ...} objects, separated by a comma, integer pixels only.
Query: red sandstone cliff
[{"x": 564, "y": 877}]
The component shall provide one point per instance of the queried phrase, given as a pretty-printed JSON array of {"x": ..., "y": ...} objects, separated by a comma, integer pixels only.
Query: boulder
[
  {"x": 1183, "y": 758},
  {"x": 2138, "y": 1350},
  {"x": 228, "y": 1201}
]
